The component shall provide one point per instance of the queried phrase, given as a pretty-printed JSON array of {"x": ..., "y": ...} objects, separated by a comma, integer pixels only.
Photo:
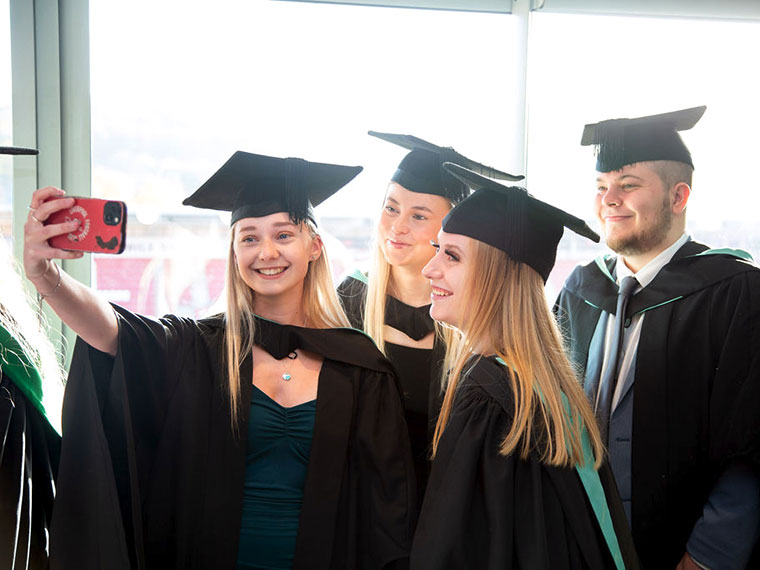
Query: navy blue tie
[{"x": 603, "y": 404}]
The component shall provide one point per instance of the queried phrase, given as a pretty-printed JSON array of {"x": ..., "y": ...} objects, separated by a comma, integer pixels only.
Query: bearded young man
[{"x": 675, "y": 379}]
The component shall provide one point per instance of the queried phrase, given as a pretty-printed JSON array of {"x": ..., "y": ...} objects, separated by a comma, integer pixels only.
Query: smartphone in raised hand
[{"x": 102, "y": 226}]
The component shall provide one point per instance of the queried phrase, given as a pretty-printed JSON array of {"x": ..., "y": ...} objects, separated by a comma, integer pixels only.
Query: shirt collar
[{"x": 646, "y": 274}]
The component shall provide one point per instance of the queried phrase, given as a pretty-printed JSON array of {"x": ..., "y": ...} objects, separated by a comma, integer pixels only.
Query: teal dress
[{"x": 277, "y": 455}]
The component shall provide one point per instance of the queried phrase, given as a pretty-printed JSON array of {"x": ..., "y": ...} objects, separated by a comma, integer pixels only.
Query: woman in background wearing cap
[
  {"x": 518, "y": 479},
  {"x": 261, "y": 438},
  {"x": 392, "y": 303}
]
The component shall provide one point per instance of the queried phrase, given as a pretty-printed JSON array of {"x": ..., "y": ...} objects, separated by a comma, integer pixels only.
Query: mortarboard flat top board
[
  {"x": 620, "y": 142},
  {"x": 510, "y": 219},
  {"x": 17, "y": 150},
  {"x": 254, "y": 185},
  {"x": 421, "y": 169}
]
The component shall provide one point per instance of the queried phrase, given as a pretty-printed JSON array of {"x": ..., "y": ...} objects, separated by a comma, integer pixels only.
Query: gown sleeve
[
  {"x": 734, "y": 418},
  {"x": 114, "y": 409}
]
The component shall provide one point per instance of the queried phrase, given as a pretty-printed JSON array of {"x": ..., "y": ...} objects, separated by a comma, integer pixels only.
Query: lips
[
  {"x": 616, "y": 217},
  {"x": 270, "y": 271},
  {"x": 439, "y": 293},
  {"x": 396, "y": 244}
]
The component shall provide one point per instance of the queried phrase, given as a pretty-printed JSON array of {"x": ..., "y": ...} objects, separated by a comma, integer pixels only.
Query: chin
[
  {"x": 395, "y": 259},
  {"x": 626, "y": 246},
  {"x": 387, "y": 253},
  {"x": 620, "y": 244},
  {"x": 269, "y": 289},
  {"x": 440, "y": 315}
]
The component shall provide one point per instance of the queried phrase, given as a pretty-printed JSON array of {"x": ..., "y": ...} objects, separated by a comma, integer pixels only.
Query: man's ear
[{"x": 679, "y": 197}]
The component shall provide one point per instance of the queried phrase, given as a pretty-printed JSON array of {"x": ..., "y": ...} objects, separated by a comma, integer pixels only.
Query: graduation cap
[
  {"x": 420, "y": 170},
  {"x": 621, "y": 142},
  {"x": 253, "y": 185},
  {"x": 17, "y": 150},
  {"x": 510, "y": 219}
]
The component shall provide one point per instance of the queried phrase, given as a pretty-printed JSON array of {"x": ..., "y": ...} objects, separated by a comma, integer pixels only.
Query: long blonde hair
[
  {"x": 377, "y": 288},
  {"x": 507, "y": 305},
  {"x": 322, "y": 309}
]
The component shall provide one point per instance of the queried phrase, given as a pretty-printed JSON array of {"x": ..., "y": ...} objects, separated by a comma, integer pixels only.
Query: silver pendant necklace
[{"x": 288, "y": 367}]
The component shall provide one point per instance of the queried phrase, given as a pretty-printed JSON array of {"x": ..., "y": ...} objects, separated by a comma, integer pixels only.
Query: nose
[
  {"x": 268, "y": 250},
  {"x": 431, "y": 269},
  {"x": 611, "y": 197},
  {"x": 400, "y": 226}
]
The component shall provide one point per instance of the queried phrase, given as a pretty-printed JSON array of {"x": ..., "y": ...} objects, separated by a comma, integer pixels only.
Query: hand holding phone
[{"x": 102, "y": 226}]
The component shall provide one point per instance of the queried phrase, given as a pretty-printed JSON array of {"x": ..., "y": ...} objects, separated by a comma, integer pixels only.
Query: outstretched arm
[{"x": 87, "y": 314}]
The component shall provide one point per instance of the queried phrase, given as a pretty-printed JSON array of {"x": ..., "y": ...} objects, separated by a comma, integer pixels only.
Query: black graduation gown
[
  {"x": 696, "y": 388},
  {"x": 483, "y": 510},
  {"x": 416, "y": 323},
  {"x": 29, "y": 449},
  {"x": 152, "y": 477}
]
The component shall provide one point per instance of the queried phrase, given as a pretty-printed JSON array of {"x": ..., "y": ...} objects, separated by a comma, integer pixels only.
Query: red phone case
[{"x": 102, "y": 226}]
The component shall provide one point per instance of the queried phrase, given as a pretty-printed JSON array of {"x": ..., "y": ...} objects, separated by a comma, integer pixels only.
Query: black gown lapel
[
  {"x": 324, "y": 476},
  {"x": 232, "y": 493},
  {"x": 414, "y": 322},
  {"x": 345, "y": 345},
  {"x": 595, "y": 284}
]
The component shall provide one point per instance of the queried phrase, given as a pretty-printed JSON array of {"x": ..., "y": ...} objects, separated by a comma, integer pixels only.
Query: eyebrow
[
  {"x": 621, "y": 177},
  {"x": 450, "y": 247},
  {"x": 422, "y": 208},
  {"x": 276, "y": 225}
]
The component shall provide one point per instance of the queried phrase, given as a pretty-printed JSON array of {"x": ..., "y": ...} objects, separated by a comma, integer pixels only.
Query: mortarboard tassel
[
  {"x": 610, "y": 141},
  {"x": 295, "y": 200}
]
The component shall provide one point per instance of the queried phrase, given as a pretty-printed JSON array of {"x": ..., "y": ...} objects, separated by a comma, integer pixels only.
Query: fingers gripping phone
[{"x": 102, "y": 226}]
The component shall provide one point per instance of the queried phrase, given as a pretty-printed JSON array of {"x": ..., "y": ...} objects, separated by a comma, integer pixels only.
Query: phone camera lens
[{"x": 112, "y": 213}]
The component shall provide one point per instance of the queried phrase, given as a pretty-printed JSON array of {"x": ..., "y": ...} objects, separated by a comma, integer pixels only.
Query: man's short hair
[{"x": 672, "y": 172}]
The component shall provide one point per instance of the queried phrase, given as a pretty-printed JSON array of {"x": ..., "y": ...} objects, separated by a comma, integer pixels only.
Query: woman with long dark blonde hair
[
  {"x": 392, "y": 302},
  {"x": 518, "y": 477},
  {"x": 270, "y": 436}
]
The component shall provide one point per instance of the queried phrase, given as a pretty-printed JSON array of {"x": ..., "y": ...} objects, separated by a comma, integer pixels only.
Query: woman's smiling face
[
  {"x": 272, "y": 254},
  {"x": 408, "y": 222},
  {"x": 447, "y": 271}
]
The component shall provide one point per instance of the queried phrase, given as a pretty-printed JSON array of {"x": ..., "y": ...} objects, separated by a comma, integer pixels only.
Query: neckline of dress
[{"x": 276, "y": 403}]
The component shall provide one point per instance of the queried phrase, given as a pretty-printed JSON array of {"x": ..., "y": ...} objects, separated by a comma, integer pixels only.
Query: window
[{"x": 177, "y": 87}]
